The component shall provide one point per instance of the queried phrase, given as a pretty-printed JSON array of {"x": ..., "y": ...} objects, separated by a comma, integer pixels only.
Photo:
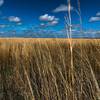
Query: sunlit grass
[{"x": 40, "y": 69}]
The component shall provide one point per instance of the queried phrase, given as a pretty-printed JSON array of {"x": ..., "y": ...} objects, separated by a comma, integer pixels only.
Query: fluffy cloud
[
  {"x": 14, "y": 19},
  {"x": 50, "y": 20},
  {"x": 1, "y": 2},
  {"x": 62, "y": 8},
  {"x": 98, "y": 14},
  {"x": 46, "y": 17},
  {"x": 94, "y": 19}
]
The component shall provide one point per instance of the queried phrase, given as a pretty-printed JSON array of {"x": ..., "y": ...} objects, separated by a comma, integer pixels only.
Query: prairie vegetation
[{"x": 40, "y": 69}]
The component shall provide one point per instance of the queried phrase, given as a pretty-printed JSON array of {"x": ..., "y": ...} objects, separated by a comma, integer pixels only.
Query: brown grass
[{"x": 40, "y": 69}]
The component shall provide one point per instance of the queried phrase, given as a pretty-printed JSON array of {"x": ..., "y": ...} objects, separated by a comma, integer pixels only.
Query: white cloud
[
  {"x": 1, "y": 2},
  {"x": 46, "y": 17},
  {"x": 14, "y": 19},
  {"x": 94, "y": 19},
  {"x": 62, "y": 8},
  {"x": 50, "y": 20},
  {"x": 53, "y": 23},
  {"x": 98, "y": 14}
]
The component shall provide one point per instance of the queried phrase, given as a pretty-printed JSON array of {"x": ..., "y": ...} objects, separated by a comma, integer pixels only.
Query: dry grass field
[{"x": 40, "y": 69}]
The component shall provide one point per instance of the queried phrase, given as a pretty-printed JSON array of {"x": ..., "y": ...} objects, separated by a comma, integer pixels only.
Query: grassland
[{"x": 40, "y": 69}]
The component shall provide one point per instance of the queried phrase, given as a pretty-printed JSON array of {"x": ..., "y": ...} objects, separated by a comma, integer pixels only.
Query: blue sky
[{"x": 45, "y": 18}]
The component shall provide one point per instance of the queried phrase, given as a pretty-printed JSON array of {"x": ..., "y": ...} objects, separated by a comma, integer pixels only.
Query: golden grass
[{"x": 40, "y": 69}]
